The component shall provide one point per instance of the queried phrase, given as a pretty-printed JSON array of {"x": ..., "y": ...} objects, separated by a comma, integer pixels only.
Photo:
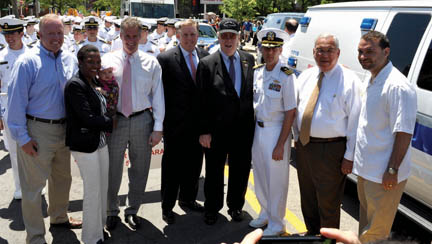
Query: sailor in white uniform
[
  {"x": 13, "y": 29},
  {"x": 91, "y": 24},
  {"x": 146, "y": 45},
  {"x": 275, "y": 106},
  {"x": 159, "y": 32}
]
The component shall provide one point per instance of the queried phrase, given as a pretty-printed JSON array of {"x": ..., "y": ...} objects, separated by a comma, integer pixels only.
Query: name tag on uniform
[{"x": 275, "y": 86}]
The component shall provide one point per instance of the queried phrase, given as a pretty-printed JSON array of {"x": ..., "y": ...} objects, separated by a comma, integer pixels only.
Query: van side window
[
  {"x": 405, "y": 34},
  {"x": 425, "y": 77}
]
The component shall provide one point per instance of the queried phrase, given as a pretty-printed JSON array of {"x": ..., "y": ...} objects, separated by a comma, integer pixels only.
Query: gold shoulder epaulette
[
  {"x": 286, "y": 70},
  {"x": 258, "y": 65},
  {"x": 102, "y": 40}
]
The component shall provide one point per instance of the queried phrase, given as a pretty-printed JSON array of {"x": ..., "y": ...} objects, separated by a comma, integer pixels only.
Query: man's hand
[
  {"x": 1, "y": 124},
  {"x": 346, "y": 166},
  {"x": 155, "y": 138},
  {"x": 278, "y": 152},
  {"x": 30, "y": 148},
  {"x": 205, "y": 140},
  {"x": 346, "y": 237},
  {"x": 252, "y": 238},
  {"x": 389, "y": 181}
]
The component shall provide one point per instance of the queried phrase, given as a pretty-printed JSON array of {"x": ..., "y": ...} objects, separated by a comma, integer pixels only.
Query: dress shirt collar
[
  {"x": 382, "y": 75},
  {"x": 125, "y": 54},
  {"x": 186, "y": 53},
  {"x": 226, "y": 58},
  {"x": 329, "y": 73},
  {"x": 49, "y": 53},
  {"x": 275, "y": 72}
]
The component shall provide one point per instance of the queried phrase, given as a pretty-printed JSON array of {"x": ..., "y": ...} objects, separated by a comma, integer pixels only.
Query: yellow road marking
[{"x": 290, "y": 217}]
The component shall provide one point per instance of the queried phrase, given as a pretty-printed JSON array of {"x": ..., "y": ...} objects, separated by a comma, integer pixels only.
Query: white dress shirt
[
  {"x": 274, "y": 93},
  {"x": 337, "y": 108},
  {"x": 149, "y": 48},
  {"x": 237, "y": 68},
  {"x": 389, "y": 105},
  {"x": 147, "y": 89}
]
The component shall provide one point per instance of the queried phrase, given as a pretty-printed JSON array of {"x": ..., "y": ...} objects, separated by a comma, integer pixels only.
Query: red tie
[
  {"x": 192, "y": 64},
  {"x": 126, "y": 89}
]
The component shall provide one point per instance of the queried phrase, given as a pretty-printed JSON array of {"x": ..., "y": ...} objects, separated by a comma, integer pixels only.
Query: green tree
[
  {"x": 239, "y": 9},
  {"x": 61, "y": 5},
  {"x": 106, "y": 5}
]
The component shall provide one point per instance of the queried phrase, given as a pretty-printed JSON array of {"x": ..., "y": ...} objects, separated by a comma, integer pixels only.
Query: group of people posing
[{"x": 221, "y": 106}]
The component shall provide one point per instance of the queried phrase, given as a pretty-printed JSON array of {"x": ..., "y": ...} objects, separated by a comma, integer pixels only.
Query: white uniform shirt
[
  {"x": 103, "y": 33},
  {"x": 116, "y": 44},
  {"x": 149, "y": 48},
  {"x": 27, "y": 39},
  {"x": 100, "y": 44},
  {"x": 165, "y": 40},
  {"x": 389, "y": 105},
  {"x": 274, "y": 93},
  {"x": 173, "y": 43},
  {"x": 147, "y": 89},
  {"x": 7, "y": 60},
  {"x": 338, "y": 106},
  {"x": 112, "y": 34},
  {"x": 2, "y": 41},
  {"x": 154, "y": 36},
  {"x": 286, "y": 49}
]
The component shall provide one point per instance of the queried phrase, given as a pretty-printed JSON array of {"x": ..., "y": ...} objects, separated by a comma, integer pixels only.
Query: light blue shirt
[
  {"x": 237, "y": 67},
  {"x": 194, "y": 58},
  {"x": 36, "y": 88}
]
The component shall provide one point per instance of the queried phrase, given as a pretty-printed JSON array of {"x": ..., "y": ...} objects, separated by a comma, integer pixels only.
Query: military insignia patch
[
  {"x": 271, "y": 36},
  {"x": 286, "y": 70},
  {"x": 275, "y": 87}
]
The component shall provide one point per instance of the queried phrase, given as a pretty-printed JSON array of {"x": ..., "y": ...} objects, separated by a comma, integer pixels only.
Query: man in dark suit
[
  {"x": 183, "y": 155},
  {"x": 227, "y": 121}
]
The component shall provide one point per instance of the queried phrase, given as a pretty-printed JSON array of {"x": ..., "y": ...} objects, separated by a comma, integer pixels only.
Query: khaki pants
[
  {"x": 53, "y": 164},
  {"x": 378, "y": 209}
]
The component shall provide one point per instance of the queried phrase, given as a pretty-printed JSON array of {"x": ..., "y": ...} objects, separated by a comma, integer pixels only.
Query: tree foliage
[
  {"x": 107, "y": 5},
  {"x": 239, "y": 9}
]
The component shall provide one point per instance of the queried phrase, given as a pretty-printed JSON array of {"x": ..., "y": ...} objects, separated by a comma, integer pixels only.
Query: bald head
[
  {"x": 49, "y": 18},
  {"x": 291, "y": 26}
]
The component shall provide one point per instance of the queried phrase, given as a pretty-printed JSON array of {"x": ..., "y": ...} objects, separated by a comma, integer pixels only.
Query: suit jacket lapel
[
  {"x": 182, "y": 62},
  {"x": 244, "y": 67}
]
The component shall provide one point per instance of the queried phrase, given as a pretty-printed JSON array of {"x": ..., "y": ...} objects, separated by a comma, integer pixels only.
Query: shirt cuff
[
  {"x": 23, "y": 140},
  {"x": 158, "y": 126},
  {"x": 349, "y": 155}
]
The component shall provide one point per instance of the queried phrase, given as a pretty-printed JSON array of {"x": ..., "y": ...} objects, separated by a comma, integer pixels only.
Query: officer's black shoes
[
  {"x": 168, "y": 217},
  {"x": 236, "y": 215},
  {"x": 210, "y": 218}
]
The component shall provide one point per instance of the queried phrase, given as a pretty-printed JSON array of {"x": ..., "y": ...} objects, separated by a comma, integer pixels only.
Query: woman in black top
[{"x": 86, "y": 126}]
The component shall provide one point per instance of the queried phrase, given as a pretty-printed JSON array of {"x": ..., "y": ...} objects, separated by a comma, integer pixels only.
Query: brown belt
[
  {"x": 49, "y": 121},
  {"x": 326, "y": 140}
]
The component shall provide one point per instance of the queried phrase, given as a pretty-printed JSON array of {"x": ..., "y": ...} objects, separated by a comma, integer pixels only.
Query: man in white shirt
[
  {"x": 290, "y": 28},
  {"x": 103, "y": 31},
  {"x": 141, "y": 111},
  {"x": 169, "y": 36},
  {"x": 145, "y": 44},
  {"x": 328, "y": 107},
  {"x": 382, "y": 158},
  {"x": 91, "y": 24},
  {"x": 159, "y": 32}
]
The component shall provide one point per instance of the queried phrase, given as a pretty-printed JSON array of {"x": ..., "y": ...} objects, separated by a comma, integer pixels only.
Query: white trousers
[
  {"x": 11, "y": 146},
  {"x": 94, "y": 172},
  {"x": 271, "y": 177}
]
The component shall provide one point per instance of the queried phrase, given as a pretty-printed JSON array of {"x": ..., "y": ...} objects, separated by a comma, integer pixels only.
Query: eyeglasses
[{"x": 322, "y": 51}]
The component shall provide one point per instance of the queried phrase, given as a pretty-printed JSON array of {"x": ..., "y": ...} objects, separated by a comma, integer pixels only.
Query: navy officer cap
[{"x": 10, "y": 25}]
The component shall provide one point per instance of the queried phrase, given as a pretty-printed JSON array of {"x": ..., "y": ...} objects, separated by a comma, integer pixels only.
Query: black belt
[
  {"x": 326, "y": 140},
  {"x": 135, "y": 113},
  {"x": 49, "y": 121}
]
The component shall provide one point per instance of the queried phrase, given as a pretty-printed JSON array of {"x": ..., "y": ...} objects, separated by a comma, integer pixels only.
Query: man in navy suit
[
  {"x": 227, "y": 121},
  {"x": 183, "y": 155}
]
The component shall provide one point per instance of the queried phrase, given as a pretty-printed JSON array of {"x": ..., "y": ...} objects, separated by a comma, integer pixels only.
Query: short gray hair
[
  {"x": 326, "y": 36},
  {"x": 130, "y": 22}
]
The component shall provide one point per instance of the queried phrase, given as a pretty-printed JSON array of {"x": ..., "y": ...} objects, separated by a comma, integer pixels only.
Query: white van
[{"x": 408, "y": 25}]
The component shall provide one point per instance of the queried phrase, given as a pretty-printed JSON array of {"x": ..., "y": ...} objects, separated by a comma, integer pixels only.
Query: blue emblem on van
[
  {"x": 368, "y": 24},
  {"x": 304, "y": 21}
]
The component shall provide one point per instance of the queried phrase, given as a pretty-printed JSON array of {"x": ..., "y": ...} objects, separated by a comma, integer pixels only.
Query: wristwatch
[{"x": 392, "y": 171}]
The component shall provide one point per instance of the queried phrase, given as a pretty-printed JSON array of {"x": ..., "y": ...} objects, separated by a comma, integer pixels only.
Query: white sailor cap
[
  {"x": 67, "y": 20},
  {"x": 77, "y": 28},
  {"x": 110, "y": 19},
  {"x": 272, "y": 37},
  {"x": 78, "y": 20},
  {"x": 145, "y": 25},
  {"x": 117, "y": 22},
  {"x": 31, "y": 20},
  {"x": 10, "y": 25},
  {"x": 91, "y": 22}
]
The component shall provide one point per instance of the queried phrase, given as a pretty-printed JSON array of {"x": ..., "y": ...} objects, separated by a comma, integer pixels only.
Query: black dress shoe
[
  {"x": 168, "y": 217},
  {"x": 133, "y": 221},
  {"x": 193, "y": 206},
  {"x": 210, "y": 218},
  {"x": 236, "y": 215},
  {"x": 111, "y": 222}
]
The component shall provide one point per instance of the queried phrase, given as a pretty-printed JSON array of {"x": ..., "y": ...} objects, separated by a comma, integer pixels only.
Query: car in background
[
  {"x": 207, "y": 35},
  {"x": 277, "y": 20}
]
